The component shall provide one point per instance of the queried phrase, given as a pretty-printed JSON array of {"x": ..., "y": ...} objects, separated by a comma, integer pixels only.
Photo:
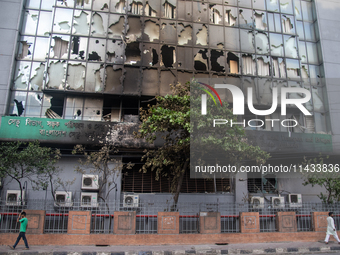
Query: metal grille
[{"x": 102, "y": 220}]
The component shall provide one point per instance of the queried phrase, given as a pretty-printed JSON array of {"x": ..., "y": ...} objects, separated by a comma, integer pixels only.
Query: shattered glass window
[
  {"x": 99, "y": 24},
  {"x": 22, "y": 75},
  {"x": 37, "y": 76},
  {"x": 45, "y": 23},
  {"x": 81, "y": 22},
  {"x": 59, "y": 47},
  {"x": 26, "y": 47},
  {"x": 184, "y": 33},
  {"x": 56, "y": 75},
  {"x": 75, "y": 76},
  {"x": 18, "y": 103},
  {"x": 30, "y": 22},
  {"x": 62, "y": 20}
]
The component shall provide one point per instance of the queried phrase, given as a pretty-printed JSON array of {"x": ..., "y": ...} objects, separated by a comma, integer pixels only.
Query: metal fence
[{"x": 102, "y": 220}]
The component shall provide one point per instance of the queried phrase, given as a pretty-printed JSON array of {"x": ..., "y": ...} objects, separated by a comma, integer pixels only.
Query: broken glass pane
[
  {"x": 151, "y": 30},
  {"x": 45, "y": 23},
  {"x": 78, "y": 47},
  {"x": 305, "y": 73},
  {"x": 113, "y": 79},
  {"x": 286, "y": 6},
  {"x": 81, "y": 22},
  {"x": 216, "y": 14},
  {"x": 101, "y": 5},
  {"x": 263, "y": 66},
  {"x": 293, "y": 68},
  {"x": 169, "y": 9},
  {"x": 184, "y": 33},
  {"x": 26, "y": 46},
  {"x": 33, "y": 105},
  {"x": 115, "y": 52},
  {"x": 168, "y": 56},
  {"x": 30, "y": 22},
  {"x": 18, "y": 103},
  {"x": 62, "y": 20},
  {"x": 37, "y": 76},
  {"x": 116, "y": 27},
  {"x": 150, "y": 54},
  {"x": 149, "y": 9},
  {"x": 299, "y": 30},
  {"x": 273, "y": 5},
  {"x": 132, "y": 78},
  {"x": 65, "y": 3},
  {"x": 288, "y": 24},
  {"x": 86, "y": 4},
  {"x": 118, "y": 6},
  {"x": 317, "y": 95},
  {"x": 302, "y": 51},
  {"x": 201, "y": 34},
  {"x": 276, "y": 44},
  {"x": 56, "y": 75},
  {"x": 134, "y": 29},
  {"x": 99, "y": 24},
  {"x": 97, "y": 50},
  {"x": 246, "y": 18},
  {"x": 248, "y": 64},
  {"x": 46, "y": 104},
  {"x": 135, "y": 7},
  {"x": 201, "y": 60},
  {"x": 279, "y": 68},
  {"x": 290, "y": 46},
  {"x": 260, "y": 20},
  {"x": 216, "y": 41},
  {"x": 231, "y": 16},
  {"x": 201, "y": 12},
  {"x": 250, "y": 82},
  {"x": 74, "y": 108},
  {"x": 312, "y": 52},
  {"x": 264, "y": 87},
  {"x": 184, "y": 10},
  {"x": 184, "y": 58},
  {"x": 247, "y": 41},
  {"x": 217, "y": 61},
  {"x": 75, "y": 76},
  {"x": 41, "y": 48},
  {"x": 94, "y": 77},
  {"x": 233, "y": 60},
  {"x": 262, "y": 43},
  {"x": 133, "y": 53},
  {"x": 169, "y": 32},
  {"x": 167, "y": 78},
  {"x": 22, "y": 74},
  {"x": 232, "y": 39},
  {"x": 59, "y": 46},
  {"x": 93, "y": 109}
]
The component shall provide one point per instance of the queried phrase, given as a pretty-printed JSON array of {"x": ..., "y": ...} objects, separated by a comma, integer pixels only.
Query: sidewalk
[{"x": 255, "y": 248}]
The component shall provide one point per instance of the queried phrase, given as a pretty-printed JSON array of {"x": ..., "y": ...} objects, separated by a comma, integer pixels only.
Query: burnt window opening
[
  {"x": 120, "y": 6},
  {"x": 233, "y": 63},
  {"x": 169, "y": 10},
  {"x": 94, "y": 56},
  {"x": 20, "y": 108},
  {"x": 60, "y": 47},
  {"x": 25, "y": 50},
  {"x": 258, "y": 183},
  {"x": 201, "y": 61},
  {"x": 154, "y": 57},
  {"x": 75, "y": 48},
  {"x": 112, "y": 109},
  {"x": 215, "y": 66},
  {"x": 168, "y": 55},
  {"x": 216, "y": 16},
  {"x": 149, "y": 11},
  {"x": 56, "y": 109},
  {"x": 130, "y": 109},
  {"x": 132, "y": 53},
  {"x": 136, "y": 8}
]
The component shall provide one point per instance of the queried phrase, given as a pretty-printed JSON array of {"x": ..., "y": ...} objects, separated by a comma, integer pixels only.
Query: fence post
[
  {"x": 286, "y": 222},
  {"x": 210, "y": 222},
  {"x": 79, "y": 222},
  {"x": 124, "y": 223},
  {"x": 168, "y": 222},
  {"x": 249, "y": 222},
  {"x": 319, "y": 221},
  {"x": 36, "y": 221}
]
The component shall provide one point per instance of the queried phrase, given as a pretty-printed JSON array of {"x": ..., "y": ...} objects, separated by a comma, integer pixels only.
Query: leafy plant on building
[
  {"x": 31, "y": 162},
  {"x": 170, "y": 119},
  {"x": 318, "y": 173}
]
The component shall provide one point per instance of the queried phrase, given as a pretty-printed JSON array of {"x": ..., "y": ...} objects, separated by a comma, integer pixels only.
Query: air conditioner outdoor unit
[
  {"x": 13, "y": 197},
  {"x": 257, "y": 202},
  {"x": 89, "y": 199},
  {"x": 89, "y": 182},
  {"x": 131, "y": 200},
  {"x": 63, "y": 198},
  {"x": 278, "y": 202},
  {"x": 295, "y": 200}
]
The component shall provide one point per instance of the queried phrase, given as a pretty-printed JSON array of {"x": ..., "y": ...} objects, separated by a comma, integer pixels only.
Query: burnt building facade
[{"x": 99, "y": 61}]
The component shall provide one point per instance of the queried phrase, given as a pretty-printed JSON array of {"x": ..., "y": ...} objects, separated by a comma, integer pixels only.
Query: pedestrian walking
[
  {"x": 23, "y": 226},
  {"x": 331, "y": 228}
]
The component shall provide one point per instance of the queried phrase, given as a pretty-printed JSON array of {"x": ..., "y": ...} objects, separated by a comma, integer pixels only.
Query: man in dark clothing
[{"x": 23, "y": 226}]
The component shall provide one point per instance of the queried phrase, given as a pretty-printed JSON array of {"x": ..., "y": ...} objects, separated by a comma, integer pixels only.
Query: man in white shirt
[{"x": 331, "y": 228}]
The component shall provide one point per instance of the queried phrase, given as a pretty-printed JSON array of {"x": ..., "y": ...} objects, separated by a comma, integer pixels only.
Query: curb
[{"x": 282, "y": 251}]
